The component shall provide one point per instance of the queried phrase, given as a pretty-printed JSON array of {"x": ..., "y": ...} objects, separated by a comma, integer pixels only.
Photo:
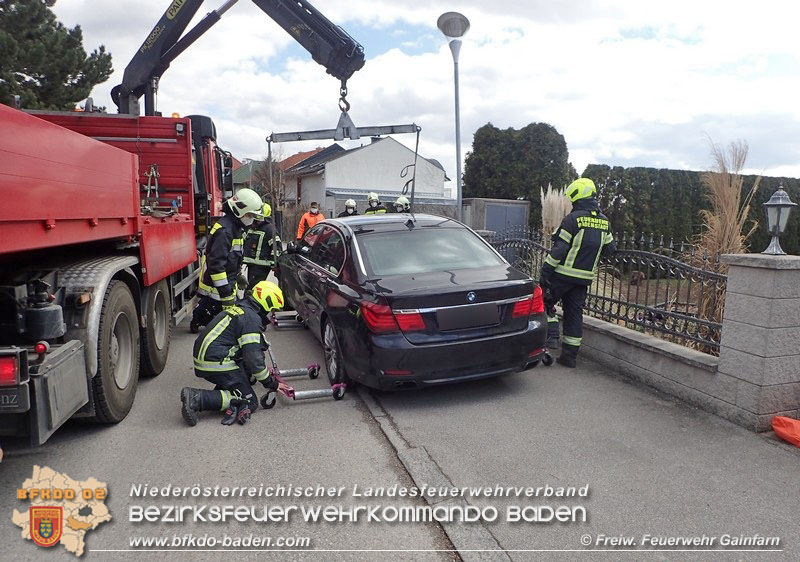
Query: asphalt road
[{"x": 652, "y": 466}]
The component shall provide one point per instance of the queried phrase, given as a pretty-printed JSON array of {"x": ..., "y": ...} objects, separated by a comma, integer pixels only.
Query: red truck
[{"x": 102, "y": 221}]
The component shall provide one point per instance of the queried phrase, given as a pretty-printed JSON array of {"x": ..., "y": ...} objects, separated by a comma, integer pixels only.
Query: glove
[
  {"x": 243, "y": 415},
  {"x": 241, "y": 282},
  {"x": 225, "y": 294},
  {"x": 270, "y": 383}
]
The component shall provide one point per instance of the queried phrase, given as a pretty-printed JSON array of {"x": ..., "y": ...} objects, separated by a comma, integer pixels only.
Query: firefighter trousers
[
  {"x": 228, "y": 385},
  {"x": 572, "y": 297}
]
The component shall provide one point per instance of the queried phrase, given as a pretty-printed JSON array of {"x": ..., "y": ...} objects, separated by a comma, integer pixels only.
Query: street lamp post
[{"x": 454, "y": 26}]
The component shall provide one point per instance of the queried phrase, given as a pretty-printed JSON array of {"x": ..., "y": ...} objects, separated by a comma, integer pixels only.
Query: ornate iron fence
[{"x": 671, "y": 291}]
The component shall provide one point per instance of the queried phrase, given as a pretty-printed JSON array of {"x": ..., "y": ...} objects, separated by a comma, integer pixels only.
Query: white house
[{"x": 336, "y": 174}]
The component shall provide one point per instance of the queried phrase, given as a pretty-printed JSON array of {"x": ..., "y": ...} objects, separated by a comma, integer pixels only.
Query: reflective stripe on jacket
[
  {"x": 222, "y": 259},
  {"x": 258, "y": 244},
  {"x": 233, "y": 339},
  {"x": 375, "y": 210},
  {"x": 584, "y": 236}
]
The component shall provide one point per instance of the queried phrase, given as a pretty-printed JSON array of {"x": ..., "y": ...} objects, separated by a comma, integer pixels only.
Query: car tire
[
  {"x": 156, "y": 334},
  {"x": 333, "y": 354},
  {"x": 114, "y": 385}
]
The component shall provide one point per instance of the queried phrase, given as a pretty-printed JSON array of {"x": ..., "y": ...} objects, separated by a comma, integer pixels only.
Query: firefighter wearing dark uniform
[
  {"x": 222, "y": 260},
  {"x": 375, "y": 207},
  {"x": 568, "y": 271},
  {"x": 229, "y": 353},
  {"x": 349, "y": 209},
  {"x": 259, "y": 243}
]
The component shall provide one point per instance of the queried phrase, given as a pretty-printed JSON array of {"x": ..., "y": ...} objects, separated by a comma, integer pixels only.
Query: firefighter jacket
[
  {"x": 584, "y": 235},
  {"x": 259, "y": 242},
  {"x": 222, "y": 260},
  {"x": 308, "y": 220},
  {"x": 380, "y": 209},
  {"x": 346, "y": 214},
  {"x": 233, "y": 340}
]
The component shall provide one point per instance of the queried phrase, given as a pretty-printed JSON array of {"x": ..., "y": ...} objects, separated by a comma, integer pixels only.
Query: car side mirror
[{"x": 291, "y": 248}]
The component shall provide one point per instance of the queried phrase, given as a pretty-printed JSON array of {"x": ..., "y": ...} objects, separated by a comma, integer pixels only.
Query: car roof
[{"x": 394, "y": 221}]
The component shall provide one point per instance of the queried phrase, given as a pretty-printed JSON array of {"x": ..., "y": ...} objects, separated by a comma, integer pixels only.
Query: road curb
[{"x": 472, "y": 542}]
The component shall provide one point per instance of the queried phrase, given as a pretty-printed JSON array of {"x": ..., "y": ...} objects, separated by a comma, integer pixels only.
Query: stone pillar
[{"x": 760, "y": 344}]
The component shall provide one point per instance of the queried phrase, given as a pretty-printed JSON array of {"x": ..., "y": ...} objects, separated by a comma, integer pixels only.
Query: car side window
[
  {"x": 308, "y": 241},
  {"x": 328, "y": 251}
]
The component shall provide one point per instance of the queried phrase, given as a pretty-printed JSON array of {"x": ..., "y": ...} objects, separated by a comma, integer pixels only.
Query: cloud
[{"x": 625, "y": 82}]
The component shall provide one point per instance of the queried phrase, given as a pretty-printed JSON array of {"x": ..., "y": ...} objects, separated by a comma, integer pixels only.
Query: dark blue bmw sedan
[{"x": 403, "y": 302}]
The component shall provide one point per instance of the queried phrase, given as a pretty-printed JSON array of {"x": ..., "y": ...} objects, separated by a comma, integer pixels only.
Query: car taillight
[
  {"x": 533, "y": 304},
  {"x": 379, "y": 318},
  {"x": 537, "y": 306},
  {"x": 409, "y": 321},
  {"x": 9, "y": 370}
]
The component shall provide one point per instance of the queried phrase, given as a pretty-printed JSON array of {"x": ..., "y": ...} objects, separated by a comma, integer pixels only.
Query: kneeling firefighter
[
  {"x": 229, "y": 353},
  {"x": 223, "y": 256},
  {"x": 568, "y": 271}
]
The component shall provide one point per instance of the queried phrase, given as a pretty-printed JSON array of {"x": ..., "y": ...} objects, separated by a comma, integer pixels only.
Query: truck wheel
[
  {"x": 156, "y": 335},
  {"x": 114, "y": 386}
]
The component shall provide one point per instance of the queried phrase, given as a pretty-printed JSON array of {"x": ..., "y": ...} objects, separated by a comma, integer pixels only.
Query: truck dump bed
[
  {"x": 73, "y": 178},
  {"x": 60, "y": 187}
]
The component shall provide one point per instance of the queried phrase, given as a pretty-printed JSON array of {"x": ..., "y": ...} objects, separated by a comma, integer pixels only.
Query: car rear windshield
[{"x": 424, "y": 250}]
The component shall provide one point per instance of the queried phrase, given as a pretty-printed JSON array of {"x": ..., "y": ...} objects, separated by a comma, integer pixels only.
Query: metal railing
[{"x": 669, "y": 290}]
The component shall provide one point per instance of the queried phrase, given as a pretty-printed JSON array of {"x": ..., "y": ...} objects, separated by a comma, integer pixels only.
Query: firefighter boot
[
  {"x": 190, "y": 397},
  {"x": 569, "y": 353},
  {"x": 553, "y": 333},
  {"x": 196, "y": 400}
]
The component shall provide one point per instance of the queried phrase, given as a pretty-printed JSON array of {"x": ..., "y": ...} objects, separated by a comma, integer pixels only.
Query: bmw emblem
[{"x": 471, "y": 296}]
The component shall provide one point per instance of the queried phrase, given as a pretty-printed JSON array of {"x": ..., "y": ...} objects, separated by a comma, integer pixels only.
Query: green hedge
[{"x": 668, "y": 202}]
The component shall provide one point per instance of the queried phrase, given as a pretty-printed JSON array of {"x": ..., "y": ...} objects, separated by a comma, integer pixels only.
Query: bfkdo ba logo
[
  {"x": 46, "y": 525},
  {"x": 56, "y": 509}
]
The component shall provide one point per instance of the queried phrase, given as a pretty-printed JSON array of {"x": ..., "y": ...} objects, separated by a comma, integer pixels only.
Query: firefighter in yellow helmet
[
  {"x": 402, "y": 205},
  {"x": 349, "y": 209},
  {"x": 583, "y": 237},
  {"x": 228, "y": 353},
  {"x": 374, "y": 205}
]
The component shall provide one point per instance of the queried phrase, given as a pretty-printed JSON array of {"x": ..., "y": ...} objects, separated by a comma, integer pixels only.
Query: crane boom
[{"x": 329, "y": 45}]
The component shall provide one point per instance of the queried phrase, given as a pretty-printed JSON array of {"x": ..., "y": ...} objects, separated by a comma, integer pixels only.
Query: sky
[{"x": 627, "y": 82}]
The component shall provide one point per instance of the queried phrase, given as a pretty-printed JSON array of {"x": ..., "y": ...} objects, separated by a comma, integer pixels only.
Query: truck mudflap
[{"x": 55, "y": 389}]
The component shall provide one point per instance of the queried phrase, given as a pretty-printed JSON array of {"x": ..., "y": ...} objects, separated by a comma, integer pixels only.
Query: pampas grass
[
  {"x": 555, "y": 206},
  {"x": 725, "y": 225}
]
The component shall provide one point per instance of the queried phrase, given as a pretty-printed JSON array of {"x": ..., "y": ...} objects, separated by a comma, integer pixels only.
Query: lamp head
[
  {"x": 777, "y": 209},
  {"x": 453, "y": 24}
]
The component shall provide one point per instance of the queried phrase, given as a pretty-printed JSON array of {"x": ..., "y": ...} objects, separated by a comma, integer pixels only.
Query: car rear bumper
[{"x": 395, "y": 364}]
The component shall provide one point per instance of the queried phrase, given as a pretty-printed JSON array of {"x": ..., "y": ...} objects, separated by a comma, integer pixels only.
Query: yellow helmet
[
  {"x": 267, "y": 210},
  {"x": 268, "y": 295},
  {"x": 581, "y": 188}
]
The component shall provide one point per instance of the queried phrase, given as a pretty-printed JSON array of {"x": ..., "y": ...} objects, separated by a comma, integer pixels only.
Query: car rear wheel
[{"x": 333, "y": 355}]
